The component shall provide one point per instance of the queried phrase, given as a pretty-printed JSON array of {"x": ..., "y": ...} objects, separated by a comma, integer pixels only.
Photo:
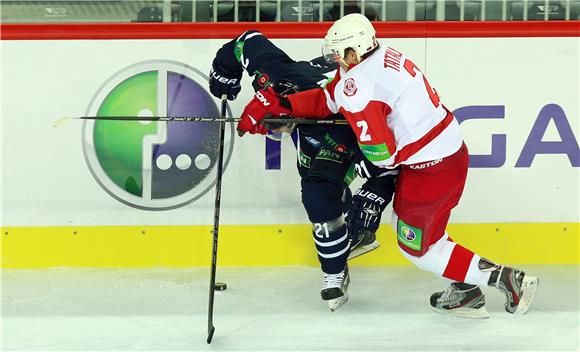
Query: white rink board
[{"x": 46, "y": 181}]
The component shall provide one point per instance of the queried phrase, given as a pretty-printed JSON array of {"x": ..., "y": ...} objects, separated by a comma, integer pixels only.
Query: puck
[{"x": 220, "y": 286}]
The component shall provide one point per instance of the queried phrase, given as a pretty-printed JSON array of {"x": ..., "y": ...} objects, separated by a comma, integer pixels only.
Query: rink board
[
  {"x": 515, "y": 87},
  {"x": 271, "y": 245}
]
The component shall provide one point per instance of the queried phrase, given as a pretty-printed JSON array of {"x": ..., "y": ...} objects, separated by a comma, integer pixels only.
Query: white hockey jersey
[{"x": 395, "y": 114}]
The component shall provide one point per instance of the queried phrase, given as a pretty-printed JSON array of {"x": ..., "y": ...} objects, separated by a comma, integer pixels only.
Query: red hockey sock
[{"x": 458, "y": 263}]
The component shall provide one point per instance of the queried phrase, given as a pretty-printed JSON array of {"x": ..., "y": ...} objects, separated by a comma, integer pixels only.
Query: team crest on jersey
[{"x": 350, "y": 87}]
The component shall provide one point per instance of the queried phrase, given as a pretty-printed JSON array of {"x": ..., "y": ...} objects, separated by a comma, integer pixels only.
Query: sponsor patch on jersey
[
  {"x": 304, "y": 160},
  {"x": 409, "y": 236},
  {"x": 375, "y": 152},
  {"x": 330, "y": 141},
  {"x": 330, "y": 155},
  {"x": 239, "y": 50},
  {"x": 263, "y": 79},
  {"x": 350, "y": 87},
  {"x": 350, "y": 174}
]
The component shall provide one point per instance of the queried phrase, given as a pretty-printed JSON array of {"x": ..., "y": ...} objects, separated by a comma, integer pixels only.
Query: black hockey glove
[
  {"x": 365, "y": 211},
  {"x": 223, "y": 81}
]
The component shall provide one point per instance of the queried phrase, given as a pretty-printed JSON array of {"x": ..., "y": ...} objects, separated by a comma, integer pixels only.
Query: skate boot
[
  {"x": 519, "y": 289},
  {"x": 364, "y": 242},
  {"x": 335, "y": 288},
  {"x": 462, "y": 300}
]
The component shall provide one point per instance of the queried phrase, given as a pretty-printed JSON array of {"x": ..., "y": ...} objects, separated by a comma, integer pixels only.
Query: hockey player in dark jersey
[{"x": 327, "y": 157}]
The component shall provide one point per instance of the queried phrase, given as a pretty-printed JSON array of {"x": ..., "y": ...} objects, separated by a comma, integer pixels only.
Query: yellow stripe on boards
[{"x": 263, "y": 245}]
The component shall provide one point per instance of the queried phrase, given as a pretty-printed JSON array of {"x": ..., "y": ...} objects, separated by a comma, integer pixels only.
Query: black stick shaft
[
  {"x": 206, "y": 119},
  {"x": 216, "y": 222}
]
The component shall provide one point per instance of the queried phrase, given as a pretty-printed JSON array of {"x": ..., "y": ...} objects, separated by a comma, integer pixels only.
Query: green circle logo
[{"x": 154, "y": 165}]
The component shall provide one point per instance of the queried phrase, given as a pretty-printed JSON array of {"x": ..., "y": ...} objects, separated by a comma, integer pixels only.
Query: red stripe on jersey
[
  {"x": 410, "y": 149},
  {"x": 309, "y": 104},
  {"x": 370, "y": 125},
  {"x": 458, "y": 263}
]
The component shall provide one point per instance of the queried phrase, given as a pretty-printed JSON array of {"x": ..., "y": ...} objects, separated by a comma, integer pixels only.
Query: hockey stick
[
  {"x": 216, "y": 220},
  {"x": 62, "y": 121}
]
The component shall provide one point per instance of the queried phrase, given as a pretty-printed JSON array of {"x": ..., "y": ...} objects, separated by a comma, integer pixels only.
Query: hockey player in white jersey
[{"x": 399, "y": 120}]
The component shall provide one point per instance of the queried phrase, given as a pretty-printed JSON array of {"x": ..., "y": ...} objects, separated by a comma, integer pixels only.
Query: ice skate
[
  {"x": 364, "y": 242},
  {"x": 335, "y": 288},
  {"x": 518, "y": 288},
  {"x": 460, "y": 299}
]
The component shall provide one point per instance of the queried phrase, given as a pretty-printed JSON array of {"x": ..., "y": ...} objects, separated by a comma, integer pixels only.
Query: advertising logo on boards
[{"x": 154, "y": 165}]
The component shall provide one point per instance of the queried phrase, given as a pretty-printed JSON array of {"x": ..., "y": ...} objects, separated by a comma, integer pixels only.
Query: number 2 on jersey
[
  {"x": 411, "y": 67},
  {"x": 364, "y": 136}
]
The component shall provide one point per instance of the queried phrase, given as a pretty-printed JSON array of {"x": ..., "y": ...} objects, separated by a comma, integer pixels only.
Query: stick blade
[
  {"x": 210, "y": 334},
  {"x": 61, "y": 121}
]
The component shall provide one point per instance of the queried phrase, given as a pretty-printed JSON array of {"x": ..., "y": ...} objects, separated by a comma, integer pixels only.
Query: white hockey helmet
[{"x": 352, "y": 31}]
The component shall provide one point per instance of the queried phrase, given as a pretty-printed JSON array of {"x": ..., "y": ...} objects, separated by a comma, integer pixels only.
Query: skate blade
[
  {"x": 470, "y": 313},
  {"x": 363, "y": 249},
  {"x": 336, "y": 303},
  {"x": 529, "y": 287}
]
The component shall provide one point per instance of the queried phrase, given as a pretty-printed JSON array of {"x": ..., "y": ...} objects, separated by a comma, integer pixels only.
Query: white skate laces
[
  {"x": 334, "y": 291},
  {"x": 333, "y": 280},
  {"x": 448, "y": 295}
]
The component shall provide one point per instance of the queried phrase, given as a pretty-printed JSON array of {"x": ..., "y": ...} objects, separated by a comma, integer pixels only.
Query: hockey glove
[
  {"x": 223, "y": 81},
  {"x": 365, "y": 212},
  {"x": 265, "y": 103}
]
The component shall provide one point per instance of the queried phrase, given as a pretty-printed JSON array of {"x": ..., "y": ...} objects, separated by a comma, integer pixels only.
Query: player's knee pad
[
  {"x": 432, "y": 259},
  {"x": 332, "y": 244},
  {"x": 322, "y": 200}
]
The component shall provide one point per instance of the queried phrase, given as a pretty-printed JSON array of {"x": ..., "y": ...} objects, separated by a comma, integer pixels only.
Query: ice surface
[{"x": 271, "y": 309}]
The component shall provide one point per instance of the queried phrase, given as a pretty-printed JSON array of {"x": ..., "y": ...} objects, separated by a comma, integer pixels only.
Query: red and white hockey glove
[{"x": 266, "y": 103}]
